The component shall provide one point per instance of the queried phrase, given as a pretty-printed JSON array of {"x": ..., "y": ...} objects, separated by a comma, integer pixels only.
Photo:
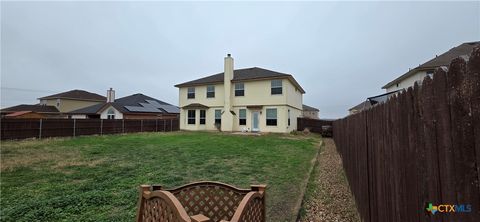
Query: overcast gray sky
[{"x": 340, "y": 52}]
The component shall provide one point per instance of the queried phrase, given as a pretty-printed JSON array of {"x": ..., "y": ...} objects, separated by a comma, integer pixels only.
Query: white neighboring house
[
  {"x": 419, "y": 73},
  {"x": 251, "y": 99}
]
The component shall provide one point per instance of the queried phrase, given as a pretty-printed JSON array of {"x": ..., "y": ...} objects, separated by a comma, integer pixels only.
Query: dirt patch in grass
[
  {"x": 28, "y": 157},
  {"x": 328, "y": 196}
]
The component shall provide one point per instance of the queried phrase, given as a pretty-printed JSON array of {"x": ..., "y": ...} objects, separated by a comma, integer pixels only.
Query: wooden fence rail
[
  {"x": 42, "y": 128},
  {"x": 420, "y": 147}
]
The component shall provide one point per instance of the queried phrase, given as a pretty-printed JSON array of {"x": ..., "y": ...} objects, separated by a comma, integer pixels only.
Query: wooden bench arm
[
  {"x": 246, "y": 205},
  {"x": 175, "y": 205}
]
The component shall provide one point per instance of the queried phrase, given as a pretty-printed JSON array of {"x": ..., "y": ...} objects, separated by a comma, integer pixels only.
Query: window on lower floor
[
  {"x": 191, "y": 116},
  {"x": 202, "y": 117},
  {"x": 218, "y": 116},
  {"x": 242, "y": 116},
  {"x": 288, "y": 117},
  {"x": 271, "y": 117}
]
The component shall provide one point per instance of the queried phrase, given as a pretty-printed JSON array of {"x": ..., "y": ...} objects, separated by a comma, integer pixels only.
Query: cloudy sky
[{"x": 340, "y": 52}]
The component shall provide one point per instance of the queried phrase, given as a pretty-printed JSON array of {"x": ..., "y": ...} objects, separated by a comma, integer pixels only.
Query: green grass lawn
[{"x": 96, "y": 178}]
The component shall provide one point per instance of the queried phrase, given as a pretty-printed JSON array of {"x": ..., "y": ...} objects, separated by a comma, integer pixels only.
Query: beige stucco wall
[
  {"x": 409, "y": 81},
  {"x": 256, "y": 93},
  {"x": 201, "y": 96},
  {"x": 67, "y": 105}
]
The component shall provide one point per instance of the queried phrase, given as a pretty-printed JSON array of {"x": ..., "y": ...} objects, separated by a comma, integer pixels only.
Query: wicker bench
[{"x": 201, "y": 202}]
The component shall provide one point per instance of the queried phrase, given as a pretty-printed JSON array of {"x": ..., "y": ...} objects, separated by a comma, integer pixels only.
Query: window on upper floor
[
  {"x": 202, "y": 117},
  {"x": 191, "y": 93},
  {"x": 210, "y": 91},
  {"x": 239, "y": 89},
  {"x": 191, "y": 116},
  {"x": 276, "y": 86},
  {"x": 271, "y": 117},
  {"x": 242, "y": 116}
]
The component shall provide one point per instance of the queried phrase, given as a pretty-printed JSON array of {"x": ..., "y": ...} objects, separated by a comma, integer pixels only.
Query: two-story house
[
  {"x": 420, "y": 72},
  {"x": 251, "y": 99},
  {"x": 72, "y": 100}
]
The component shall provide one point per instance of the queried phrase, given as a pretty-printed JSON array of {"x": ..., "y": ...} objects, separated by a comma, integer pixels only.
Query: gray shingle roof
[
  {"x": 125, "y": 104},
  {"x": 361, "y": 106},
  {"x": 441, "y": 60},
  {"x": 242, "y": 75},
  {"x": 309, "y": 108},
  {"x": 33, "y": 108},
  {"x": 78, "y": 95}
]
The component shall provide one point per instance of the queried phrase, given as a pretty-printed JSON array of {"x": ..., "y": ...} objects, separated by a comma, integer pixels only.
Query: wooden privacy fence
[
  {"x": 420, "y": 147},
  {"x": 202, "y": 202},
  {"x": 314, "y": 125},
  {"x": 42, "y": 128}
]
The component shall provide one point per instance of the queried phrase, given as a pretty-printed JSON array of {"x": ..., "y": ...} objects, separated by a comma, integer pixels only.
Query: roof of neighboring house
[
  {"x": 441, "y": 60},
  {"x": 309, "y": 108},
  {"x": 19, "y": 113},
  {"x": 361, "y": 106},
  {"x": 77, "y": 95},
  {"x": 247, "y": 74},
  {"x": 32, "y": 108},
  {"x": 136, "y": 103},
  {"x": 381, "y": 98}
]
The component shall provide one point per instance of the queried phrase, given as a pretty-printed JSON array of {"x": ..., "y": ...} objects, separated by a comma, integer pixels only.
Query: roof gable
[{"x": 77, "y": 95}]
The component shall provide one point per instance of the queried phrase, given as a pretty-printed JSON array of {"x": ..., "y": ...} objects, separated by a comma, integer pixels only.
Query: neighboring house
[
  {"x": 31, "y": 111},
  {"x": 310, "y": 112},
  {"x": 252, "y": 99},
  {"x": 72, "y": 100},
  {"x": 136, "y": 106},
  {"x": 371, "y": 101},
  {"x": 360, "y": 107},
  {"x": 417, "y": 74}
]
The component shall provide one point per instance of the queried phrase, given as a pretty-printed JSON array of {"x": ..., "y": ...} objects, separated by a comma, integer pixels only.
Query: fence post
[
  {"x": 101, "y": 126},
  {"x": 171, "y": 125},
  {"x": 164, "y": 125},
  {"x": 40, "y": 130},
  {"x": 156, "y": 125},
  {"x": 123, "y": 125},
  {"x": 74, "y": 123},
  {"x": 141, "y": 125}
]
